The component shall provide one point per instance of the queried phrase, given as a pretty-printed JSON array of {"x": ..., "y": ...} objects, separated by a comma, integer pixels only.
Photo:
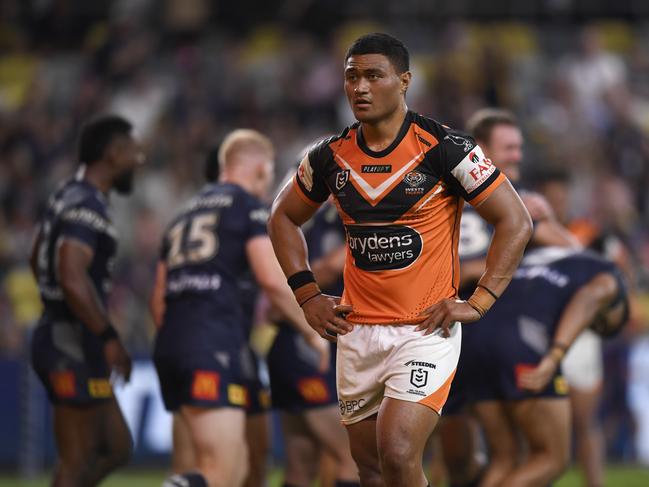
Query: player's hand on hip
[
  {"x": 326, "y": 316},
  {"x": 536, "y": 379},
  {"x": 117, "y": 358},
  {"x": 324, "y": 352},
  {"x": 445, "y": 313}
]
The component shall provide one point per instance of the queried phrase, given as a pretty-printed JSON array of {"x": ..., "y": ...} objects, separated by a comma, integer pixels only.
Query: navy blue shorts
[
  {"x": 69, "y": 360},
  {"x": 196, "y": 373},
  {"x": 295, "y": 382},
  {"x": 255, "y": 381},
  {"x": 492, "y": 359}
]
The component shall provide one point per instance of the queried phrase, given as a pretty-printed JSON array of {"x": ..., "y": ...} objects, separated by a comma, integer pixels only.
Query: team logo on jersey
[
  {"x": 419, "y": 377},
  {"x": 414, "y": 179},
  {"x": 467, "y": 144},
  {"x": 341, "y": 179},
  {"x": 379, "y": 248}
]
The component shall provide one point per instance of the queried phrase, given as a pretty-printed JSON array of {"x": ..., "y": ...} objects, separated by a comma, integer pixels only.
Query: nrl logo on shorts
[
  {"x": 341, "y": 179},
  {"x": 461, "y": 141},
  {"x": 419, "y": 377}
]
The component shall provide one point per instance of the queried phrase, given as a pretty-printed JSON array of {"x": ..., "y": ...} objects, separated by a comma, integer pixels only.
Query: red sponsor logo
[
  {"x": 520, "y": 369},
  {"x": 313, "y": 390},
  {"x": 63, "y": 383},
  {"x": 482, "y": 167},
  {"x": 205, "y": 385}
]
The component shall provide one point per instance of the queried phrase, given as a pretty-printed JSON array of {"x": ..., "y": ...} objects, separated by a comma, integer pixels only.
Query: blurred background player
[
  {"x": 583, "y": 366},
  {"x": 257, "y": 393},
  {"x": 306, "y": 395},
  {"x": 554, "y": 295},
  {"x": 399, "y": 180},
  {"x": 76, "y": 352},
  {"x": 217, "y": 237},
  {"x": 499, "y": 135}
]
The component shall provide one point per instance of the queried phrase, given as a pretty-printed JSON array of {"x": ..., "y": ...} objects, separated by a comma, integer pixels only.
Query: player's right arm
[
  {"x": 590, "y": 300},
  {"x": 288, "y": 214},
  {"x": 74, "y": 258}
]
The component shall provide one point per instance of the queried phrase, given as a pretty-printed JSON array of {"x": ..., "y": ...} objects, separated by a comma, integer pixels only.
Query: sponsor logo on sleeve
[
  {"x": 463, "y": 142},
  {"x": 473, "y": 170},
  {"x": 305, "y": 173},
  {"x": 389, "y": 247}
]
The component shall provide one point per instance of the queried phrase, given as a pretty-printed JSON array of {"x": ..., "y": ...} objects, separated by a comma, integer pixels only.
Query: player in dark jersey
[
  {"x": 499, "y": 135},
  {"x": 218, "y": 236},
  {"x": 554, "y": 295},
  {"x": 398, "y": 180},
  {"x": 75, "y": 349},
  {"x": 305, "y": 395}
]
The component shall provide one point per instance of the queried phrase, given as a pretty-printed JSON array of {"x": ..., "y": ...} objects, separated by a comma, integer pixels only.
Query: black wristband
[
  {"x": 108, "y": 334},
  {"x": 299, "y": 279}
]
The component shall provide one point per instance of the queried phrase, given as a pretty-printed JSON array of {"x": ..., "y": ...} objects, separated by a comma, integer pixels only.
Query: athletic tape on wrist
[
  {"x": 481, "y": 300},
  {"x": 306, "y": 292}
]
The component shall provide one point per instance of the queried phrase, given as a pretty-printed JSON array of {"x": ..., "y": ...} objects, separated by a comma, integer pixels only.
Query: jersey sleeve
[
  {"x": 83, "y": 222},
  {"x": 256, "y": 218},
  {"x": 309, "y": 181},
  {"x": 467, "y": 171}
]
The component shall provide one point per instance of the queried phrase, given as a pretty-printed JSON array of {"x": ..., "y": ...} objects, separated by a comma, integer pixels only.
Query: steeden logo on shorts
[{"x": 388, "y": 247}]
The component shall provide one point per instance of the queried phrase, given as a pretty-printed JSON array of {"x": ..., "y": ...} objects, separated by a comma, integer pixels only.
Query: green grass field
[{"x": 616, "y": 477}]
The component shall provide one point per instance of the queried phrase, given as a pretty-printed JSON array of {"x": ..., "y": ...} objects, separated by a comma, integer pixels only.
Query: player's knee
[{"x": 398, "y": 456}]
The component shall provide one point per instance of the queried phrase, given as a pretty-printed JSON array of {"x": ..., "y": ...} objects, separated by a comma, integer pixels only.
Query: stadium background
[{"x": 576, "y": 73}]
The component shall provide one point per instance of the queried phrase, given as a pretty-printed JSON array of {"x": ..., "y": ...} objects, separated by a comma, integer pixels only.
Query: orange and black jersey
[{"x": 401, "y": 209}]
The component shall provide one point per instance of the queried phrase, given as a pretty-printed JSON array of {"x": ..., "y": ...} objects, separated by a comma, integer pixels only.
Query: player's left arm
[
  {"x": 582, "y": 309},
  {"x": 505, "y": 211},
  {"x": 157, "y": 299}
]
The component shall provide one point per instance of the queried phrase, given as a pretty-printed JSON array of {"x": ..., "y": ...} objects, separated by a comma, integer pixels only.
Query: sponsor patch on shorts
[
  {"x": 63, "y": 383},
  {"x": 561, "y": 385},
  {"x": 237, "y": 395},
  {"x": 313, "y": 390},
  {"x": 100, "y": 388},
  {"x": 205, "y": 385}
]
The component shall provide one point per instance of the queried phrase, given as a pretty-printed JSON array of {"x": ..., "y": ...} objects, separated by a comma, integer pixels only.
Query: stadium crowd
[{"x": 582, "y": 97}]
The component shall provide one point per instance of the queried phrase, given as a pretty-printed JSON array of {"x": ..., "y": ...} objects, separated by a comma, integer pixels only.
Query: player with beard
[{"x": 75, "y": 349}]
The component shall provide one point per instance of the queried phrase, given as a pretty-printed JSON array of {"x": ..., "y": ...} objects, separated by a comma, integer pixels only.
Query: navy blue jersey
[
  {"x": 204, "y": 250},
  {"x": 542, "y": 285},
  {"x": 518, "y": 330},
  {"x": 325, "y": 233},
  {"x": 249, "y": 292},
  {"x": 79, "y": 211}
]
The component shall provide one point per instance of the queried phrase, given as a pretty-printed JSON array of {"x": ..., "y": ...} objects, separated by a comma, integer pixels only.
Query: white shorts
[
  {"x": 582, "y": 366},
  {"x": 376, "y": 361}
]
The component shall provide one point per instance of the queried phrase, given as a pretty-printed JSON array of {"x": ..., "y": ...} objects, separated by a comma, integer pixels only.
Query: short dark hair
[
  {"x": 482, "y": 122},
  {"x": 380, "y": 43},
  {"x": 212, "y": 168},
  {"x": 97, "y": 134}
]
